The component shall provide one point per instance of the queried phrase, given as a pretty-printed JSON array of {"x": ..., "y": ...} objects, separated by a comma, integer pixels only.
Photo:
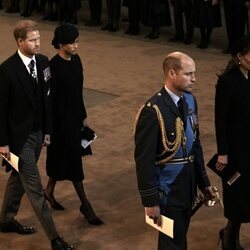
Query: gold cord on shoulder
[
  {"x": 137, "y": 117},
  {"x": 169, "y": 147}
]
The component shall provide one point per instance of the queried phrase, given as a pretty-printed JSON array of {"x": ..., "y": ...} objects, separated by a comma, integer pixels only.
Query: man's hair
[
  {"x": 171, "y": 62},
  {"x": 23, "y": 27}
]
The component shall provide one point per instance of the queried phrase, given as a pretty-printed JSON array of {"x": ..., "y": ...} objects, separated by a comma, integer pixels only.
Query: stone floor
[{"x": 121, "y": 72}]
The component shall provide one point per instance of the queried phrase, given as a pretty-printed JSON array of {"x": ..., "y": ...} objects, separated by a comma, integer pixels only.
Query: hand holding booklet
[
  {"x": 167, "y": 225},
  {"x": 13, "y": 161},
  {"x": 228, "y": 174},
  {"x": 87, "y": 137}
]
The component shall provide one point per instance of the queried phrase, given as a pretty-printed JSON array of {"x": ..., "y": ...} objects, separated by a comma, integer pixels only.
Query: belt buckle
[{"x": 190, "y": 158}]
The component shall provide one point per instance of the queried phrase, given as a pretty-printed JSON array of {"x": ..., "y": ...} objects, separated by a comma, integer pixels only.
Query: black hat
[
  {"x": 242, "y": 45},
  {"x": 64, "y": 34}
]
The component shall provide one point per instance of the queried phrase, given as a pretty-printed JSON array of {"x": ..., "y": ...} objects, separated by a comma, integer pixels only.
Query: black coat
[
  {"x": 205, "y": 15},
  {"x": 155, "y": 13},
  {"x": 17, "y": 104},
  {"x": 64, "y": 153},
  {"x": 232, "y": 121}
]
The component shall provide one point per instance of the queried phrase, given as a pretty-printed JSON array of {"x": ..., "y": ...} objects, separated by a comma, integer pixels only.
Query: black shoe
[
  {"x": 90, "y": 216},
  {"x": 154, "y": 35},
  {"x": 113, "y": 28},
  {"x": 134, "y": 32},
  {"x": 106, "y": 27},
  {"x": 176, "y": 38},
  {"x": 203, "y": 44},
  {"x": 128, "y": 31},
  {"x": 16, "y": 227},
  {"x": 53, "y": 203},
  {"x": 60, "y": 244}
]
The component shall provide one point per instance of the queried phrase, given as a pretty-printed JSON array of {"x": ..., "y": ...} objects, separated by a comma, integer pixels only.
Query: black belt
[{"x": 183, "y": 160}]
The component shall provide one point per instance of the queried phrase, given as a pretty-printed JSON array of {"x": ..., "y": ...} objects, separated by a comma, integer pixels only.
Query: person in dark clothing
[
  {"x": 28, "y": 7},
  {"x": 64, "y": 160},
  {"x": 68, "y": 10},
  {"x": 168, "y": 153},
  {"x": 232, "y": 122},
  {"x": 207, "y": 16},
  {"x": 134, "y": 12},
  {"x": 114, "y": 14},
  {"x": 181, "y": 7},
  {"x": 95, "y": 7},
  {"x": 25, "y": 125},
  {"x": 235, "y": 16},
  {"x": 14, "y": 6},
  {"x": 51, "y": 10},
  {"x": 155, "y": 14}
]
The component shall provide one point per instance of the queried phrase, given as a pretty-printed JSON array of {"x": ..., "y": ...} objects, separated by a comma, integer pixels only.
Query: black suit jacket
[{"x": 17, "y": 101}]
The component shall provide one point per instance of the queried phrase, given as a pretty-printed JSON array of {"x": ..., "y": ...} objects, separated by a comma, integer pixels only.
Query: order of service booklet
[
  {"x": 167, "y": 225},
  {"x": 13, "y": 161}
]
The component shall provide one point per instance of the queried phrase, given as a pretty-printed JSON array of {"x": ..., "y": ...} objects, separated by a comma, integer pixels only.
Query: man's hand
[
  {"x": 85, "y": 122},
  {"x": 5, "y": 151},
  {"x": 154, "y": 213},
  {"x": 209, "y": 193},
  {"x": 221, "y": 162},
  {"x": 46, "y": 141}
]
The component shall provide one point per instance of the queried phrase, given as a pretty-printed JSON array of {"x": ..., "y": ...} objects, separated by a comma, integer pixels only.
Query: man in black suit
[
  {"x": 25, "y": 125},
  {"x": 168, "y": 154}
]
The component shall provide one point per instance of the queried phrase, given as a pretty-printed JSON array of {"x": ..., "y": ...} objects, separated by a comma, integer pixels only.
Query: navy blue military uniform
[{"x": 169, "y": 161}]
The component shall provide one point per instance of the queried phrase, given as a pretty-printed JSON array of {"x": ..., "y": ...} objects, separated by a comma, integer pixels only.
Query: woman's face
[
  {"x": 244, "y": 61},
  {"x": 70, "y": 48}
]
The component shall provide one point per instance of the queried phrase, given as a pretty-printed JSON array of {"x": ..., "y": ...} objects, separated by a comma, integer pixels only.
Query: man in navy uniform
[{"x": 168, "y": 154}]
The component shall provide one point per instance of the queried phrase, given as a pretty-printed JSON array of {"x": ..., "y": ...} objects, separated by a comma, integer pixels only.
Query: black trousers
[
  {"x": 181, "y": 223},
  {"x": 183, "y": 7},
  {"x": 114, "y": 12},
  {"x": 134, "y": 10},
  {"x": 95, "y": 7}
]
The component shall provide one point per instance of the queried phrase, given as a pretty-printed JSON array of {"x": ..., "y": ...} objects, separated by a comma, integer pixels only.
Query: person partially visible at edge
[
  {"x": 64, "y": 155},
  {"x": 25, "y": 125},
  {"x": 232, "y": 122},
  {"x": 168, "y": 153}
]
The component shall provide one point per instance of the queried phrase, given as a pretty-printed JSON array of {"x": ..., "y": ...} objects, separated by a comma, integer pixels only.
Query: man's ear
[
  {"x": 19, "y": 41},
  {"x": 171, "y": 74}
]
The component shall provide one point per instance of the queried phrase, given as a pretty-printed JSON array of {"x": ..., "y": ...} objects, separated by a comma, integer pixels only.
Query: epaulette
[{"x": 153, "y": 100}]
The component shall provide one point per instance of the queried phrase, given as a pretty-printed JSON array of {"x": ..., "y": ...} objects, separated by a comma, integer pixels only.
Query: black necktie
[
  {"x": 180, "y": 104},
  {"x": 33, "y": 73}
]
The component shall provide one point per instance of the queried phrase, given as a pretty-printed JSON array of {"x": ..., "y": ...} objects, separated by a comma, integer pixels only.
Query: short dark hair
[
  {"x": 171, "y": 62},
  {"x": 23, "y": 27}
]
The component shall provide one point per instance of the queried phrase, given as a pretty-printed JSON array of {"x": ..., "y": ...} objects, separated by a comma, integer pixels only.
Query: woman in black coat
[
  {"x": 69, "y": 116},
  {"x": 232, "y": 122}
]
